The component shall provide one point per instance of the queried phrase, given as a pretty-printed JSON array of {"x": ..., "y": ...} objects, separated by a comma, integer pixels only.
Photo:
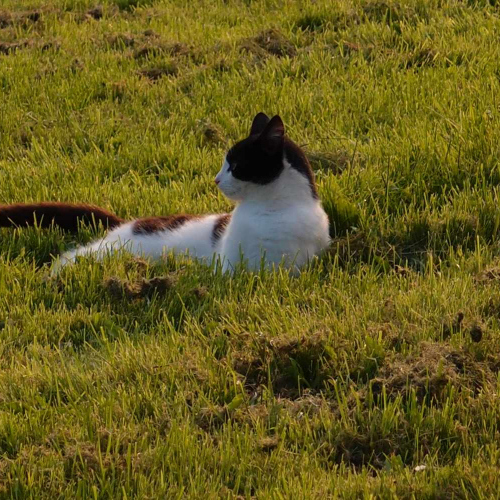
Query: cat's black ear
[
  {"x": 273, "y": 135},
  {"x": 259, "y": 123}
]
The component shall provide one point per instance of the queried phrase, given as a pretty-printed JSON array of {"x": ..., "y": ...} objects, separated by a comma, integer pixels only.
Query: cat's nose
[{"x": 217, "y": 181}]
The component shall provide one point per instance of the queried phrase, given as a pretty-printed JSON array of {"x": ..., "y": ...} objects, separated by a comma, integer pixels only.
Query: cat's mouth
[{"x": 229, "y": 191}]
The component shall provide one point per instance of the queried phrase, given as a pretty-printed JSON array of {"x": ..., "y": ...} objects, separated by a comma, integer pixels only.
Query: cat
[{"x": 278, "y": 218}]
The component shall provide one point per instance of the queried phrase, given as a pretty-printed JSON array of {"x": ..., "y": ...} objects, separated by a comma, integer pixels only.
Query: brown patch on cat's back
[
  {"x": 299, "y": 162},
  {"x": 150, "y": 225},
  {"x": 219, "y": 227}
]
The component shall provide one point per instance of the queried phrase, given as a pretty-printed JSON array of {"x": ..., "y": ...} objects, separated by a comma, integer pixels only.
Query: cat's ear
[
  {"x": 273, "y": 135},
  {"x": 259, "y": 123}
]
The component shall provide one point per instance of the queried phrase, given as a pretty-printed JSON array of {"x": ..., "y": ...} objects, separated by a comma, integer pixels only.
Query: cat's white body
[
  {"x": 277, "y": 223},
  {"x": 193, "y": 238},
  {"x": 280, "y": 222}
]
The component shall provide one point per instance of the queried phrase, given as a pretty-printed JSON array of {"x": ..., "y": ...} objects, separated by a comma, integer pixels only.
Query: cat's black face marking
[
  {"x": 259, "y": 157},
  {"x": 250, "y": 163}
]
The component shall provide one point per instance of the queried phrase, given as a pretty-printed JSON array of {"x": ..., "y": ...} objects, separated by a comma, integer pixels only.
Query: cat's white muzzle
[{"x": 231, "y": 187}]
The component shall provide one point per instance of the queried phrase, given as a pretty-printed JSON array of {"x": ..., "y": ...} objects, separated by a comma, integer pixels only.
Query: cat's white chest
[{"x": 277, "y": 236}]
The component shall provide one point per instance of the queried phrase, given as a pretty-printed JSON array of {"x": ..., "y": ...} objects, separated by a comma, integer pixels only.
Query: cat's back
[{"x": 196, "y": 235}]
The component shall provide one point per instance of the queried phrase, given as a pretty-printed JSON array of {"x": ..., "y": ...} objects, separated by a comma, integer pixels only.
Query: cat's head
[{"x": 262, "y": 158}]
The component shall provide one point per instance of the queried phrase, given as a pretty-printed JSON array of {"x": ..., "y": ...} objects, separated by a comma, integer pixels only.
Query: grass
[{"x": 374, "y": 373}]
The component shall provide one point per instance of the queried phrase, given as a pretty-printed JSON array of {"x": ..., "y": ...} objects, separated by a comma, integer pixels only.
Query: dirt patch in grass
[
  {"x": 474, "y": 327},
  {"x": 431, "y": 371},
  {"x": 117, "y": 89},
  {"x": 255, "y": 414},
  {"x": 138, "y": 289},
  {"x": 349, "y": 48},
  {"x": 156, "y": 73},
  {"x": 160, "y": 284},
  {"x": 360, "y": 450},
  {"x": 355, "y": 448},
  {"x": 313, "y": 22},
  {"x": 271, "y": 42},
  {"x": 453, "y": 326},
  {"x": 211, "y": 133},
  {"x": 491, "y": 309},
  {"x": 250, "y": 366},
  {"x": 191, "y": 369},
  {"x": 23, "y": 19},
  {"x": 150, "y": 33},
  {"x": 10, "y": 47},
  {"x": 131, "y": 5},
  {"x": 85, "y": 454},
  {"x": 85, "y": 459},
  {"x": 222, "y": 65},
  {"x": 267, "y": 443},
  {"x": 148, "y": 44},
  {"x": 153, "y": 47},
  {"x": 200, "y": 292},
  {"x": 96, "y": 12},
  {"x": 136, "y": 264},
  {"x": 211, "y": 418},
  {"x": 7, "y": 48},
  {"x": 120, "y": 40},
  {"x": 308, "y": 405},
  {"x": 401, "y": 270},
  {"x": 51, "y": 44},
  {"x": 390, "y": 331},
  {"x": 290, "y": 364},
  {"x": 420, "y": 58},
  {"x": 476, "y": 332},
  {"x": 76, "y": 65},
  {"x": 488, "y": 275}
]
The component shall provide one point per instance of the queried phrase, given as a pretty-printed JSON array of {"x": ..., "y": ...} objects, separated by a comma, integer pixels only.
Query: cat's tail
[{"x": 65, "y": 215}]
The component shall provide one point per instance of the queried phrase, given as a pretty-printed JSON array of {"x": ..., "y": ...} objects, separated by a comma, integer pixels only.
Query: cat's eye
[{"x": 231, "y": 167}]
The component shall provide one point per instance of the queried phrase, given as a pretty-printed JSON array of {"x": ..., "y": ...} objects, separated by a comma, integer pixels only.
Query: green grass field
[{"x": 373, "y": 374}]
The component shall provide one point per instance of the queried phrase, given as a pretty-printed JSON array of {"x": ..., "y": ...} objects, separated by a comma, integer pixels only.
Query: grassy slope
[{"x": 339, "y": 382}]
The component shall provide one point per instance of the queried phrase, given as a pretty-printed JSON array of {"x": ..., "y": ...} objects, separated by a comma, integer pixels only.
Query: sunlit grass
[{"x": 381, "y": 357}]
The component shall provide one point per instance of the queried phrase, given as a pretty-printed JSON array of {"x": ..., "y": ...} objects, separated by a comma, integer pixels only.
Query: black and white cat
[{"x": 278, "y": 217}]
